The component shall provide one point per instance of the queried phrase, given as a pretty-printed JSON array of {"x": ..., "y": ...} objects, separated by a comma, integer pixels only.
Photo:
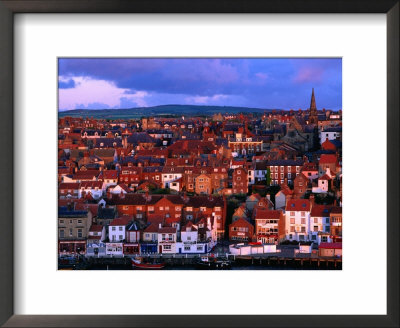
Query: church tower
[{"x": 313, "y": 116}]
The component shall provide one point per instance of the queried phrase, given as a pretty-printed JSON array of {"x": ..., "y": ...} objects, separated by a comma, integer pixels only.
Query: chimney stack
[{"x": 312, "y": 200}]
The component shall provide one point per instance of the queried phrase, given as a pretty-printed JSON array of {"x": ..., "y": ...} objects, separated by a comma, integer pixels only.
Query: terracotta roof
[
  {"x": 241, "y": 222},
  {"x": 91, "y": 184},
  {"x": 330, "y": 245},
  {"x": 320, "y": 210},
  {"x": 325, "y": 177},
  {"x": 167, "y": 230},
  {"x": 96, "y": 228},
  {"x": 69, "y": 185},
  {"x": 121, "y": 221},
  {"x": 298, "y": 205},
  {"x": 153, "y": 227},
  {"x": 110, "y": 174},
  {"x": 327, "y": 158},
  {"x": 267, "y": 214},
  {"x": 336, "y": 210}
]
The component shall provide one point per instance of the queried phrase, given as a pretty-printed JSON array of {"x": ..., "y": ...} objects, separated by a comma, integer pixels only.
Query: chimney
[
  {"x": 312, "y": 200},
  {"x": 109, "y": 196},
  {"x": 122, "y": 195}
]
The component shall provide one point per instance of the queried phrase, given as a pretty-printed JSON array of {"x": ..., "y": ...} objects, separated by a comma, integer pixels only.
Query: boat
[
  {"x": 212, "y": 263},
  {"x": 140, "y": 263}
]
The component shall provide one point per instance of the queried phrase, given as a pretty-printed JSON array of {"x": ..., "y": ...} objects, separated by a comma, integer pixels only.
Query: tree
[{"x": 268, "y": 177}]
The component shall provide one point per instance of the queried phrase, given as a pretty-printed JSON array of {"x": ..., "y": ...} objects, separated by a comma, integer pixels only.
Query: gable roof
[{"x": 298, "y": 205}]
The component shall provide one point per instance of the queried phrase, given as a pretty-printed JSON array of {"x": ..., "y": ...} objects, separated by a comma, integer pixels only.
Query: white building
[
  {"x": 297, "y": 219},
  {"x": 95, "y": 188},
  {"x": 117, "y": 229},
  {"x": 169, "y": 175},
  {"x": 330, "y": 133},
  {"x": 167, "y": 237}
]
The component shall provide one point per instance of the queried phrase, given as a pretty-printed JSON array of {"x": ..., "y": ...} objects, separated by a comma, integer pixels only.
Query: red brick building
[
  {"x": 241, "y": 230},
  {"x": 239, "y": 181}
]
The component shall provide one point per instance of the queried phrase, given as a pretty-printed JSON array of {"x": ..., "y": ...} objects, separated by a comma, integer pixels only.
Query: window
[
  {"x": 70, "y": 232},
  {"x": 61, "y": 221},
  {"x": 327, "y": 220},
  {"x": 151, "y": 208},
  {"x": 313, "y": 237},
  {"x": 167, "y": 247},
  {"x": 292, "y": 213},
  {"x": 303, "y": 220},
  {"x": 303, "y": 229},
  {"x": 292, "y": 229},
  {"x": 324, "y": 239},
  {"x": 113, "y": 228},
  {"x": 139, "y": 208},
  {"x": 200, "y": 248},
  {"x": 125, "y": 208},
  {"x": 315, "y": 228},
  {"x": 120, "y": 237},
  {"x": 187, "y": 248},
  {"x": 303, "y": 213},
  {"x": 120, "y": 228},
  {"x": 290, "y": 236},
  {"x": 202, "y": 209},
  {"x": 282, "y": 168},
  {"x": 170, "y": 237},
  {"x": 61, "y": 233},
  {"x": 289, "y": 169},
  {"x": 297, "y": 168},
  {"x": 301, "y": 237},
  {"x": 147, "y": 235},
  {"x": 289, "y": 175},
  {"x": 327, "y": 229},
  {"x": 292, "y": 221},
  {"x": 79, "y": 233}
]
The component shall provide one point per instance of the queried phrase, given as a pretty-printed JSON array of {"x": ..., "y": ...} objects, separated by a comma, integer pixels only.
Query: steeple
[
  {"x": 313, "y": 115},
  {"x": 313, "y": 105}
]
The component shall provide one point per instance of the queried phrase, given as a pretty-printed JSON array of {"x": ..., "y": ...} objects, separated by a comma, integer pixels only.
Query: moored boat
[
  {"x": 139, "y": 263},
  {"x": 212, "y": 263}
]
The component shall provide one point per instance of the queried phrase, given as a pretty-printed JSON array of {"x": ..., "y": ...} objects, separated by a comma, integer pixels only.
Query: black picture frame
[{"x": 10, "y": 7}]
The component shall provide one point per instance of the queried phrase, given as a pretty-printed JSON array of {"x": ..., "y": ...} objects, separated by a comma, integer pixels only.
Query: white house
[
  {"x": 118, "y": 189},
  {"x": 196, "y": 238},
  {"x": 170, "y": 174},
  {"x": 117, "y": 229},
  {"x": 297, "y": 219},
  {"x": 330, "y": 133},
  {"x": 167, "y": 237},
  {"x": 109, "y": 177},
  {"x": 95, "y": 188}
]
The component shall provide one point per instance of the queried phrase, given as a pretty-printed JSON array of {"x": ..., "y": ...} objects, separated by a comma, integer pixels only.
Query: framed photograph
[{"x": 182, "y": 164}]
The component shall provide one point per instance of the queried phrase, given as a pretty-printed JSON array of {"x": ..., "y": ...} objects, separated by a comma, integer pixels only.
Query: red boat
[{"x": 138, "y": 263}]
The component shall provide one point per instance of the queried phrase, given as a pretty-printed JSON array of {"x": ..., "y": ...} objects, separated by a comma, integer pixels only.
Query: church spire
[
  {"x": 313, "y": 115},
  {"x": 313, "y": 105}
]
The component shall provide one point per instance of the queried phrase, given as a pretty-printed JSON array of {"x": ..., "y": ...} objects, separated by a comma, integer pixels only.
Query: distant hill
[{"x": 164, "y": 110}]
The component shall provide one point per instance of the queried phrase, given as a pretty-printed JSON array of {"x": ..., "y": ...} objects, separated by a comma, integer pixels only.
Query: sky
[{"x": 270, "y": 83}]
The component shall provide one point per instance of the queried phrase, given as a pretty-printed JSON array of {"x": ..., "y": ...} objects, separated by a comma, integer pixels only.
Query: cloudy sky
[{"x": 252, "y": 82}]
